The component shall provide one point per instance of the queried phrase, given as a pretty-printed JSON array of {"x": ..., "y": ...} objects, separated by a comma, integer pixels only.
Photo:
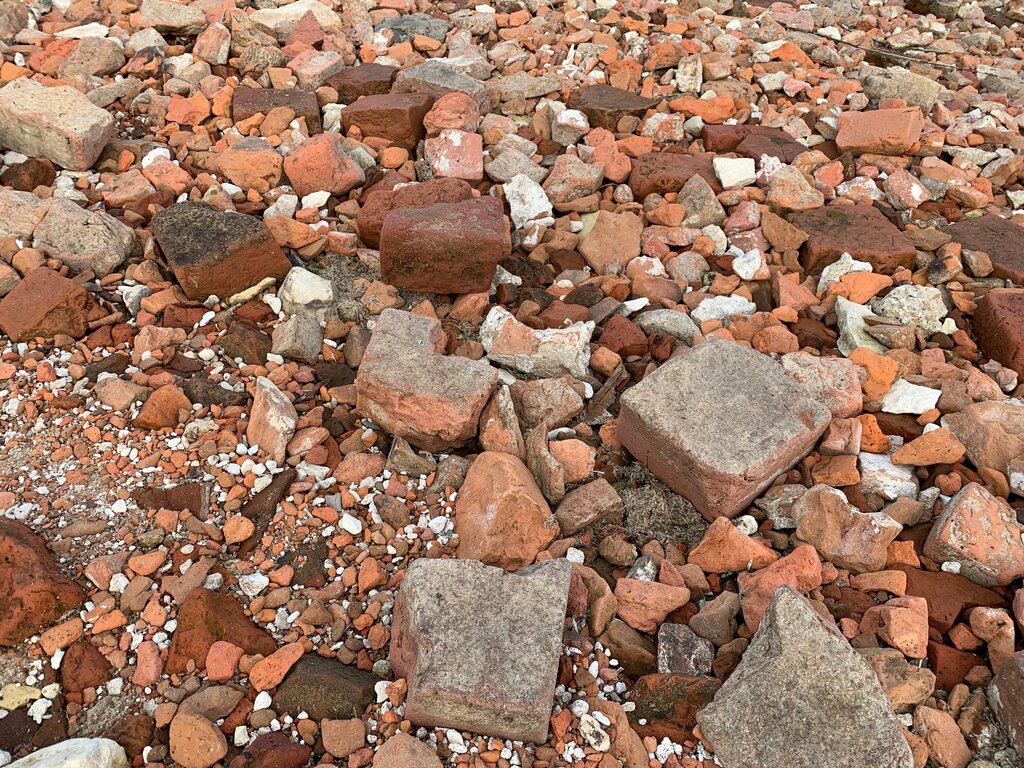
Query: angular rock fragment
[
  {"x": 77, "y": 753},
  {"x": 548, "y": 353},
  {"x": 979, "y": 533},
  {"x": 33, "y": 592},
  {"x": 1006, "y": 697},
  {"x": 501, "y": 517},
  {"x": 479, "y": 647},
  {"x": 273, "y": 419},
  {"x": 438, "y": 408},
  {"x": 324, "y": 689},
  {"x": 57, "y": 123},
  {"x": 217, "y": 253},
  {"x": 718, "y": 424},
  {"x": 803, "y": 698},
  {"x": 84, "y": 240},
  {"x": 44, "y": 304},
  {"x": 206, "y": 617},
  {"x": 444, "y": 248}
]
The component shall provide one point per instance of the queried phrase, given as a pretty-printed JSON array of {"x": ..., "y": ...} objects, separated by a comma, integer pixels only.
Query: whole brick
[
  {"x": 59, "y": 123},
  {"x": 217, "y": 253},
  {"x": 246, "y": 102},
  {"x": 445, "y": 248},
  {"x": 44, "y": 304},
  {"x": 397, "y": 117},
  {"x": 663, "y": 172},
  {"x": 364, "y": 80},
  {"x": 381, "y": 202},
  {"x": 860, "y": 230},
  {"x": 880, "y": 131},
  {"x": 605, "y": 105},
  {"x": 997, "y": 237},
  {"x": 718, "y": 424},
  {"x": 479, "y": 647},
  {"x": 999, "y": 326}
]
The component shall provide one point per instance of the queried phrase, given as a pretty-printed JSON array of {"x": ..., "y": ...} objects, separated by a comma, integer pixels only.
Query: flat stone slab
[
  {"x": 859, "y": 230},
  {"x": 605, "y": 105},
  {"x": 997, "y": 237},
  {"x": 325, "y": 689},
  {"x": 246, "y": 102},
  {"x": 479, "y": 647},
  {"x": 719, "y": 423},
  {"x": 60, "y": 124},
  {"x": 803, "y": 698},
  {"x": 217, "y": 253},
  {"x": 440, "y": 405}
]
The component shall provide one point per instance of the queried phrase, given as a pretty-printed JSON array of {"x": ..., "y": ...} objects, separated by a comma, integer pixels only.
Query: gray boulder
[{"x": 803, "y": 698}]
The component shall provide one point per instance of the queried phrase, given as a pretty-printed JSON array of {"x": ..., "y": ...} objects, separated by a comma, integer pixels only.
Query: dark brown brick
[{"x": 445, "y": 248}]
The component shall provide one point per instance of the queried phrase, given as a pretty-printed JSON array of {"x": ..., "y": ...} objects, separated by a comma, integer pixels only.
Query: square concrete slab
[
  {"x": 479, "y": 647},
  {"x": 719, "y": 423}
]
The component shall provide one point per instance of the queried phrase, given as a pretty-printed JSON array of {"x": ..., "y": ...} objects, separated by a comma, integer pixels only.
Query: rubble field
[{"x": 536, "y": 384}]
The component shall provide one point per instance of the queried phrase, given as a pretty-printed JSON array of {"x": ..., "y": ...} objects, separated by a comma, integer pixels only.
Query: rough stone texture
[
  {"x": 860, "y": 230},
  {"x": 272, "y": 421},
  {"x": 397, "y": 117},
  {"x": 605, "y": 105},
  {"x": 364, "y": 80},
  {"x": 33, "y": 592},
  {"x": 58, "y": 123},
  {"x": 663, "y": 172},
  {"x": 479, "y": 647},
  {"x": 324, "y": 688},
  {"x": 501, "y": 515},
  {"x": 438, "y": 408},
  {"x": 991, "y": 431},
  {"x": 246, "y": 102},
  {"x": 215, "y": 253},
  {"x": 998, "y": 238},
  {"x": 405, "y": 751},
  {"x": 981, "y": 533},
  {"x": 436, "y": 78},
  {"x": 77, "y": 753},
  {"x": 381, "y": 202},
  {"x": 803, "y": 698},
  {"x": 1006, "y": 697},
  {"x": 667, "y": 704},
  {"x": 999, "y": 326},
  {"x": 718, "y": 424},
  {"x": 44, "y": 304},
  {"x": 444, "y": 248},
  {"x": 83, "y": 239},
  {"x": 595, "y": 502},
  {"x": 206, "y": 617},
  {"x": 881, "y": 131}
]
